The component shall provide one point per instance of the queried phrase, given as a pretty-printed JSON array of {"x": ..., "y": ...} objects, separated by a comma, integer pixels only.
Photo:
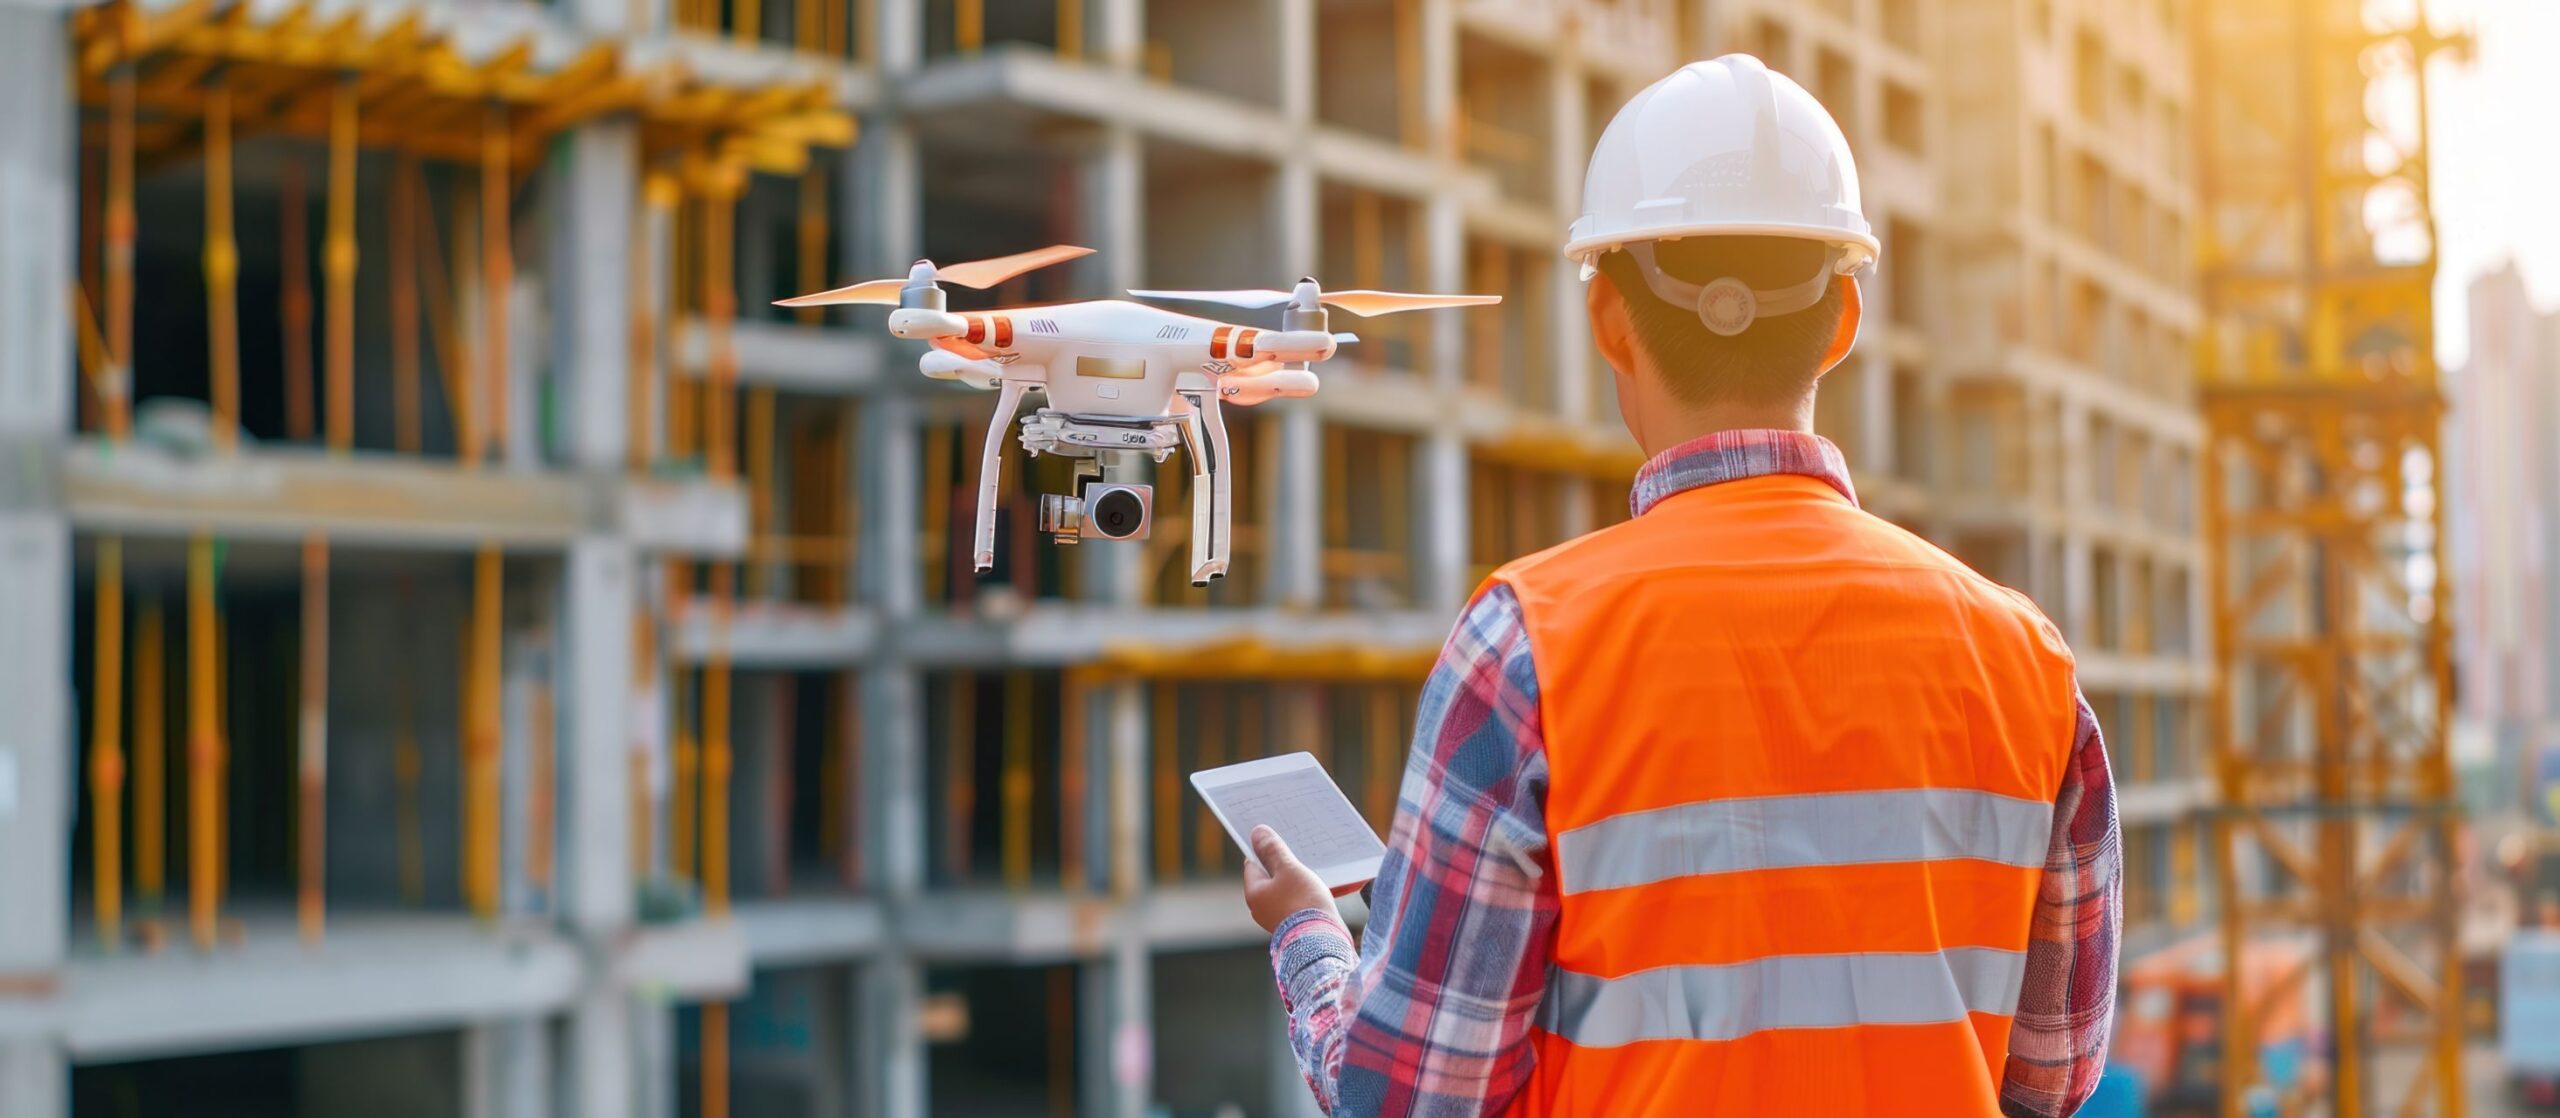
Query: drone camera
[{"x": 1104, "y": 512}]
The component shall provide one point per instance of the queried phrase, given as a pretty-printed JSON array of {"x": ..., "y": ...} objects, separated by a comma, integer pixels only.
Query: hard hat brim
[{"x": 1862, "y": 247}]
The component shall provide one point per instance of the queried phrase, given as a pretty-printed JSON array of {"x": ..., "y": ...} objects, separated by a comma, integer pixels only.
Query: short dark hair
[{"x": 1774, "y": 361}]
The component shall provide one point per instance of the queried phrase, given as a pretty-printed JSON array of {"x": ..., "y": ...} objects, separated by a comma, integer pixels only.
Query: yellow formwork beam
[
  {"x": 338, "y": 266},
  {"x": 1016, "y": 787},
  {"x": 716, "y": 756},
  {"x": 204, "y": 748},
  {"x": 150, "y": 760},
  {"x": 106, "y": 747},
  {"x": 312, "y": 771},
  {"x": 221, "y": 268}
]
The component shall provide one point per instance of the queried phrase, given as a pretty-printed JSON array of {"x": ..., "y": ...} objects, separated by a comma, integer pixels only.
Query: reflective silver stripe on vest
[
  {"x": 1778, "y": 832},
  {"x": 1781, "y": 992}
]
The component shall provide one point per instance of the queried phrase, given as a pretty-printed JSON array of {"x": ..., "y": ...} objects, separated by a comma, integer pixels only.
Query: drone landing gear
[
  {"x": 1204, "y": 437},
  {"x": 1008, "y": 400}
]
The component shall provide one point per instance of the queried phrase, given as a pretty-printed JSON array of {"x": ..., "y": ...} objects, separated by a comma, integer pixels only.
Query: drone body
[{"x": 1118, "y": 379}]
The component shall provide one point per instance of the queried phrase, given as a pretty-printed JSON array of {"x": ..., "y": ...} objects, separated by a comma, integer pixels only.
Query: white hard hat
[{"x": 1725, "y": 147}]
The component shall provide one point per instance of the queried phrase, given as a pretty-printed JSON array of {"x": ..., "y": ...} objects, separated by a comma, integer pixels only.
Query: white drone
[{"x": 1121, "y": 378}]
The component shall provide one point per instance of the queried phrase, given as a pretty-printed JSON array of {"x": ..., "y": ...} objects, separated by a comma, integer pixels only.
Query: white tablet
[{"x": 1293, "y": 795}]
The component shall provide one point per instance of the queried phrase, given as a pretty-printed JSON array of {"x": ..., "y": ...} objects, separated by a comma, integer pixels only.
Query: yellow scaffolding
[{"x": 2322, "y": 482}]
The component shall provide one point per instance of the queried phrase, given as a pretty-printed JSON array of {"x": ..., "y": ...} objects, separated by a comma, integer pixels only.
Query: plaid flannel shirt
[{"x": 1430, "y": 1014}]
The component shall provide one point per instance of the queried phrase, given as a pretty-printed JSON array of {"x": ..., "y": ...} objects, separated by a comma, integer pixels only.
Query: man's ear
[
  {"x": 1851, "y": 306},
  {"x": 1612, "y": 332}
]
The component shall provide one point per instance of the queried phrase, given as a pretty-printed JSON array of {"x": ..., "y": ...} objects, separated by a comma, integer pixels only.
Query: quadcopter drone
[{"x": 1119, "y": 379}]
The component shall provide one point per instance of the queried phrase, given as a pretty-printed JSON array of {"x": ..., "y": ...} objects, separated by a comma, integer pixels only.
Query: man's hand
[{"x": 1277, "y": 885}]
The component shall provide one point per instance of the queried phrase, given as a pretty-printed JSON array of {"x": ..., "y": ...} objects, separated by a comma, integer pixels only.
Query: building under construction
[{"x": 468, "y": 653}]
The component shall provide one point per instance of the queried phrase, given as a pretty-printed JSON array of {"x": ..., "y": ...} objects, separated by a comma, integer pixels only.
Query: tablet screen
[{"x": 1294, "y": 796}]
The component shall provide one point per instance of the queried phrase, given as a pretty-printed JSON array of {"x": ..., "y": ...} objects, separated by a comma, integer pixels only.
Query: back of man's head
[{"x": 1774, "y": 361}]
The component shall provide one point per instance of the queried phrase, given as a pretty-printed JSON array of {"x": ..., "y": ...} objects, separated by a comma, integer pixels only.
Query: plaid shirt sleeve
[
  {"x": 2066, "y": 1009},
  {"x": 1431, "y": 1014}
]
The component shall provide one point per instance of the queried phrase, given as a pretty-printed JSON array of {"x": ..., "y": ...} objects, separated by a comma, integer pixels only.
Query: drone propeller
[
  {"x": 1364, "y": 303},
  {"x": 979, "y": 274}
]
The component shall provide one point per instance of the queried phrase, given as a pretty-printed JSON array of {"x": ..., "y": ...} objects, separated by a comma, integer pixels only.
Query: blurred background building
[{"x": 514, "y": 669}]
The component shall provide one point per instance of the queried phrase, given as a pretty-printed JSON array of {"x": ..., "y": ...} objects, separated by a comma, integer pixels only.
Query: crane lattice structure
[{"x": 2323, "y": 490}]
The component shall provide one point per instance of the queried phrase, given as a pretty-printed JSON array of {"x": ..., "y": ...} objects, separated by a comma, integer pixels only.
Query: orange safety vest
[{"x": 1802, "y": 767}]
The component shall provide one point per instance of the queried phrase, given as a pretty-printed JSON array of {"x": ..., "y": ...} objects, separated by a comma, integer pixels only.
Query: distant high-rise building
[{"x": 2504, "y": 533}]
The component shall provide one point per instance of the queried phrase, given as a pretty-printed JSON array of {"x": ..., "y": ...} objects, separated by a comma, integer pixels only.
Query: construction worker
[{"x": 1754, "y": 803}]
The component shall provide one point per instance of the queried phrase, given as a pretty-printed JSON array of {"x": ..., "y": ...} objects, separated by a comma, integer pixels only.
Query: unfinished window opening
[
  {"x": 417, "y": 1075},
  {"x": 1905, "y": 127},
  {"x": 1902, "y": 24},
  {"x": 1209, "y": 226},
  {"x": 1008, "y": 757},
  {"x": 1996, "y": 555},
  {"x": 1194, "y": 725},
  {"x": 1368, "y": 728},
  {"x": 2089, "y": 73},
  {"x": 1028, "y": 567},
  {"x": 786, "y": 244},
  {"x": 802, "y": 498},
  {"x": 1991, "y": 451},
  {"x": 206, "y": 656},
  {"x": 1839, "y": 407},
  {"x": 2088, "y": 308},
  {"x": 794, "y": 782},
  {"x": 2105, "y": 465},
  {"x": 1508, "y": 354},
  {"x": 1610, "y": 501},
  {"x": 1369, "y": 511},
  {"x": 1202, "y": 1001},
  {"x": 824, "y": 27},
  {"x": 782, "y": 1045},
  {"x": 1503, "y": 120},
  {"x": 2106, "y": 598},
  {"x": 995, "y": 197},
  {"x": 1913, "y": 424},
  {"x": 2140, "y": 612},
  {"x": 1001, "y": 1041},
  {"x": 1369, "y": 68},
  {"x": 1376, "y": 242},
  {"x": 1907, "y": 267},
  {"x": 1512, "y": 510},
  {"x": 1223, "y": 46},
  {"x": 1835, "y": 83},
  {"x": 968, "y": 27},
  {"x": 1601, "y": 100},
  {"x": 414, "y": 219},
  {"x": 1254, "y": 472},
  {"x": 1776, "y": 45}
]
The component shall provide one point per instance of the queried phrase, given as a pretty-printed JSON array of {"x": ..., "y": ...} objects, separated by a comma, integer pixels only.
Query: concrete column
[
  {"x": 1440, "y": 78},
  {"x": 38, "y": 207},
  {"x": 1125, "y": 742},
  {"x": 506, "y": 1069},
  {"x": 1114, "y": 194},
  {"x": 1296, "y": 46},
  {"x": 893, "y": 819},
  {"x": 1118, "y": 1046},
  {"x": 1297, "y": 520},
  {"x": 1290, "y": 1095},
  {"x": 590, "y": 266},
  {"x": 1569, "y": 362},
  {"x": 887, "y": 455},
  {"x": 1445, "y": 269},
  {"x": 599, "y": 592},
  {"x": 599, "y": 1083},
  {"x": 37, "y": 782},
  {"x": 35, "y": 1081},
  {"x": 36, "y": 778},
  {"x": 884, "y": 179},
  {"x": 892, "y": 1082},
  {"x": 899, "y": 25},
  {"x": 1441, "y": 543},
  {"x": 653, "y": 1052},
  {"x": 1120, "y": 33}
]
